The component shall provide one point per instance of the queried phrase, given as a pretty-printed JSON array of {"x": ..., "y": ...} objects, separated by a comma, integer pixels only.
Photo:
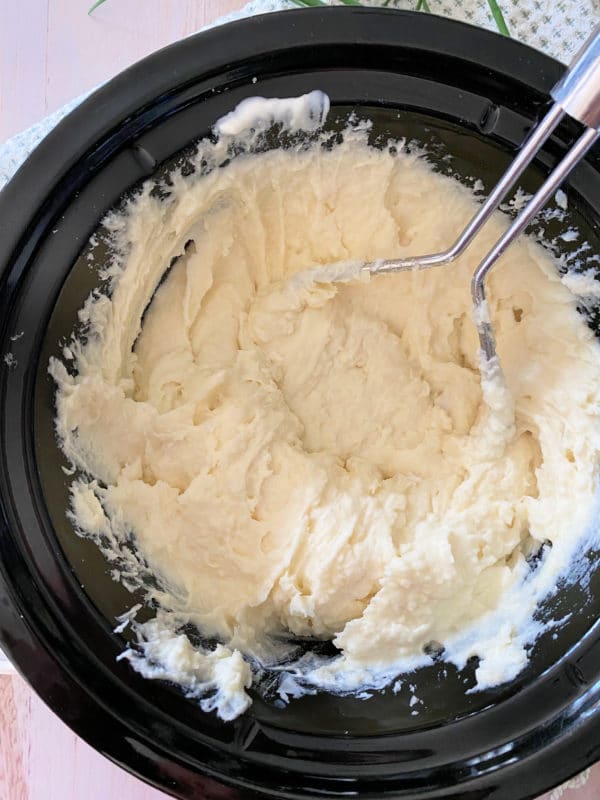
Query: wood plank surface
[
  {"x": 41, "y": 759},
  {"x": 52, "y": 51}
]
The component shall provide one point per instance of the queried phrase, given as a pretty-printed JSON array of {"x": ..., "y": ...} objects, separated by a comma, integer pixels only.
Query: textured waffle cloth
[{"x": 558, "y": 27}]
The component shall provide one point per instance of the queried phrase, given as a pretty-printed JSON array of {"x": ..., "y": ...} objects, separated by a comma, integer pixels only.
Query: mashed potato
[{"x": 300, "y": 456}]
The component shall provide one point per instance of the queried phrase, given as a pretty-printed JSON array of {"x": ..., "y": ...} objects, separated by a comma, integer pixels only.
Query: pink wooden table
[{"x": 50, "y": 52}]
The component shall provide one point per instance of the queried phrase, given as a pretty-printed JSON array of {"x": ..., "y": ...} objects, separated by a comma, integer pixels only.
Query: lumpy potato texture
[{"x": 298, "y": 455}]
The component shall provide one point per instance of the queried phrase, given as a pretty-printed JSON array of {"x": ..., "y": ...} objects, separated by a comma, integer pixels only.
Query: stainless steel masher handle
[
  {"x": 578, "y": 91},
  {"x": 578, "y": 95}
]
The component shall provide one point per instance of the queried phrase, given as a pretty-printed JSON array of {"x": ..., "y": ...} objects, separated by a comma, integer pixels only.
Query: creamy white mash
[{"x": 299, "y": 456}]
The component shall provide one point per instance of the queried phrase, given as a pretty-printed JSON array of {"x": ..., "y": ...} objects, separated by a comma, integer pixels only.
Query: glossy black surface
[{"x": 463, "y": 91}]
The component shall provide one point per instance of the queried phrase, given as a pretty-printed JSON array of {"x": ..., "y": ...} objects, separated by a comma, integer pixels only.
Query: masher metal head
[{"x": 576, "y": 94}]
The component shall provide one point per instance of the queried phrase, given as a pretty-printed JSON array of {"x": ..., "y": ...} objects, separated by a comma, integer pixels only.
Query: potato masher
[{"x": 577, "y": 94}]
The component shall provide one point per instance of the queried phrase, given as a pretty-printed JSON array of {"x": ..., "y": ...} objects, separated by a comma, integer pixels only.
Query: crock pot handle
[{"x": 578, "y": 91}]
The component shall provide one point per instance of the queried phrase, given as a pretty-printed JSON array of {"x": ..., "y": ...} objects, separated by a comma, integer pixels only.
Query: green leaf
[
  {"x": 498, "y": 17},
  {"x": 351, "y": 2},
  {"x": 423, "y": 5},
  {"x": 96, "y": 5}
]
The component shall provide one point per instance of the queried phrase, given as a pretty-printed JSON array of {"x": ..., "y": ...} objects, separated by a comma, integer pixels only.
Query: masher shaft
[
  {"x": 527, "y": 153},
  {"x": 537, "y": 202}
]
